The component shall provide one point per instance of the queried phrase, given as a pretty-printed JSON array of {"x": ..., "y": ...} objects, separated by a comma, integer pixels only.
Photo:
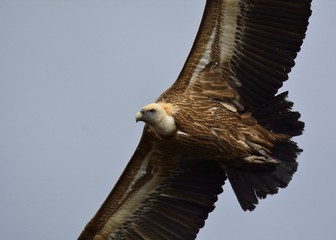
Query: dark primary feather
[
  {"x": 270, "y": 34},
  {"x": 178, "y": 207}
]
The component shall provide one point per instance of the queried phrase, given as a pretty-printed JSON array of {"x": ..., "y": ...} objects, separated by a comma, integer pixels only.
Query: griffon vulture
[{"x": 221, "y": 119}]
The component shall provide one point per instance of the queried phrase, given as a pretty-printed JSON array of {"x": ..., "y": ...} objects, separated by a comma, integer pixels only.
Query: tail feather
[
  {"x": 250, "y": 185},
  {"x": 276, "y": 116}
]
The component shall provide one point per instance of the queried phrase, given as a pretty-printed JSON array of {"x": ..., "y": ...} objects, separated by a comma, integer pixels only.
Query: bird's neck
[{"x": 166, "y": 127}]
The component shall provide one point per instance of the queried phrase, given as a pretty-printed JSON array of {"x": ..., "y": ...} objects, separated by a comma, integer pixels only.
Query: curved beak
[{"x": 139, "y": 116}]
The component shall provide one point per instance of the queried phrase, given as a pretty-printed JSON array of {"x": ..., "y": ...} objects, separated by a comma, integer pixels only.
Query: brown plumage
[{"x": 220, "y": 120}]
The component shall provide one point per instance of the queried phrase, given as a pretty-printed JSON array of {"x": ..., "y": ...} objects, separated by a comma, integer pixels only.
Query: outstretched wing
[
  {"x": 158, "y": 196},
  {"x": 243, "y": 51}
]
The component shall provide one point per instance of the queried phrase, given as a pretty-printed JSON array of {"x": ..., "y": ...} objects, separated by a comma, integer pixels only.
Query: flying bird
[{"x": 222, "y": 119}]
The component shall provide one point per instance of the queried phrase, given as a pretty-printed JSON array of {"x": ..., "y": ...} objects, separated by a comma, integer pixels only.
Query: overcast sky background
[{"x": 72, "y": 76}]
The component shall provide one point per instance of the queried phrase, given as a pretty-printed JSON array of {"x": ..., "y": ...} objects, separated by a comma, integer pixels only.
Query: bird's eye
[{"x": 152, "y": 110}]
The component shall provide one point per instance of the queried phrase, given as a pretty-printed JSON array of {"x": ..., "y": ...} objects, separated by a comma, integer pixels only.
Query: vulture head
[{"x": 159, "y": 117}]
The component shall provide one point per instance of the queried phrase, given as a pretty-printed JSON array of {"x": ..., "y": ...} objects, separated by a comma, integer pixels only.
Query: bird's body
[
  {"x": 215, "y": 132},
  {"x": 221, "y": 119}
]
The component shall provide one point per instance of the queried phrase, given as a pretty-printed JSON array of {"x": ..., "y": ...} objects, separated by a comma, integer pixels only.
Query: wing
[
  {"x": 157, "y": 197},
  {"x": 243, "y": 51}
]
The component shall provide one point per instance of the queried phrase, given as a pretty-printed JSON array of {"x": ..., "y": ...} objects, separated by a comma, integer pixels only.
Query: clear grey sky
[{"x": 72, "y": 76}]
